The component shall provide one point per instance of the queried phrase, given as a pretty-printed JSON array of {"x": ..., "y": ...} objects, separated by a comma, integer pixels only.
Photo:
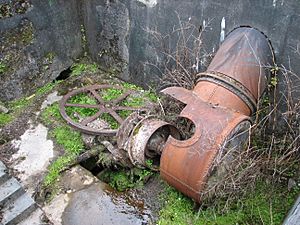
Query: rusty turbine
[{"x": 220, "y": 107}]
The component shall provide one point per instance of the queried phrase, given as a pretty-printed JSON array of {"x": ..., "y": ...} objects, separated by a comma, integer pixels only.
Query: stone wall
[
  {"x": 120, "y": 36},
  {"x": 38, "y": 40}
]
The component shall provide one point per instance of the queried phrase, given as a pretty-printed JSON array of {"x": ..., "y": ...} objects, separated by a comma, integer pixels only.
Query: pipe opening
[
  {"x": 186, "y": 128},
  {"x": 267, "y": 38},
  {"x": 157, "y": 142},
  {"x": 92, "y": 165}
]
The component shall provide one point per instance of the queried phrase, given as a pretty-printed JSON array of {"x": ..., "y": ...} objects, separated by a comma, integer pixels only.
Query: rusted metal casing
[
  {"x": 219, "y": 106},
  {"x": 144, "y": 138},
  {"x": 238, "y": 73}
]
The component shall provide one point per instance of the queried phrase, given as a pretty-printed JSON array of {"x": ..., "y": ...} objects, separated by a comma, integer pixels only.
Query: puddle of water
[
  {"x": 99, "y": 204},
  {"x": 34, "y": 153}
]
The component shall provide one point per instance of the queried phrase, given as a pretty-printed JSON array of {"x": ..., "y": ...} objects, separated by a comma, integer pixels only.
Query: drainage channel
[{"x": 99, "y": 203}]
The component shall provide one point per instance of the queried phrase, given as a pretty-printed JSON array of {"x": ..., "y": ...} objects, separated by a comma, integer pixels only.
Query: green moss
[
  {"x": 10, "y": 8},
  {"x": 55, "y": 169},
  {"x": 111, "y": 94},
  {"x": 81, "y": 98},
  {"x": 51, "y": 114},
  {"x": 110, "y": 120},
  {"x": 46, "y": 88},
  {"x": 49, "y": 57},
  {"x": 83, "y": 35},
  {"x": 19, "y": 104},
  {"x": 265, "y": 204},
  {"x": 69, "y": 139},
  {"x": 177, "y": 209},
  {"x": 129, "y": 86},
  {"x": 151, "y": 96},
  {"x": 5, "y": 119},
  {"x": 124, "y": 179},
  {"x": 73, "y": 145}
]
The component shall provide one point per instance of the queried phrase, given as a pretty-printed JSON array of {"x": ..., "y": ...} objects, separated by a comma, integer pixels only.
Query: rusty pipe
[
  {"x": 219, "y": 106},
  {"x": 238, "y": 73}
]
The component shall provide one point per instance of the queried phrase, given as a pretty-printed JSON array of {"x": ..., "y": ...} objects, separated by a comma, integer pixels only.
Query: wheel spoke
[
  {"x": 87, "y": 120},
  {"x": 126, "y": 108},
  {"x": 82, "y": 105},
  {"x": 115, "y": 115},
  {"x": 120, "y": 98},
  {"x": 97, "y": 96}
]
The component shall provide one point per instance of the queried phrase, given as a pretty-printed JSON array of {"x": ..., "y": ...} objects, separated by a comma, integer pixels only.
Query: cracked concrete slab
[{"x": 33, "y": 156}]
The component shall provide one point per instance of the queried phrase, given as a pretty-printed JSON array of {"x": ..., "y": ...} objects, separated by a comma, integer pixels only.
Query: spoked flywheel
[{"x": 84, "y": 106}]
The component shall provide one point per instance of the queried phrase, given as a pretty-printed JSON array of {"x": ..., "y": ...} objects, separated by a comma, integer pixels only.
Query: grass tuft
[{"x": 73, "y": 145}]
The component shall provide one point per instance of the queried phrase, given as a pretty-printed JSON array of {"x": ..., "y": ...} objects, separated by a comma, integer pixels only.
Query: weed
[{"x": 124, "y": 179}]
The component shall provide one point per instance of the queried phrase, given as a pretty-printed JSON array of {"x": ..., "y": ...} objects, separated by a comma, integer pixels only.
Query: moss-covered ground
[
  {"x": 16, "y": 107},
  {"x": 70, "y": 140}
]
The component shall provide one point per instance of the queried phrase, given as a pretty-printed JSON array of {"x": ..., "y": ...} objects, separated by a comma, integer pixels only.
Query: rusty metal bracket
[{"x": 111, "y": 107}]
